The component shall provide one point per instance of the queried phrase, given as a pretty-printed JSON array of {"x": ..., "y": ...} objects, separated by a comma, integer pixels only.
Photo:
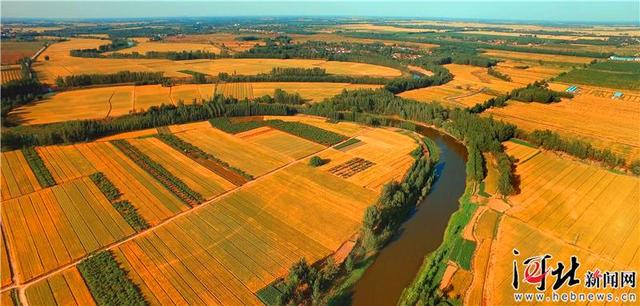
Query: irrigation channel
[{"x": 398, "y": 263}]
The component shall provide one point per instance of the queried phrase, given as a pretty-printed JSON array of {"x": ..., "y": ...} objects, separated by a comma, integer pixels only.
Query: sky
[{"x": 602, "y": 11}]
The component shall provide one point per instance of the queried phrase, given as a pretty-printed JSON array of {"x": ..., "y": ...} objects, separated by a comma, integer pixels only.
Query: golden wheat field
[
  {"x": 103, "y": 102},
  {"x": 271, "y": 221},
  {"x": 605, "y": 122},
  {"x": 470, "y": 85},
  {"x": 60, "y": 63},
  {"x": 55, "y": 226},
  {"x": 564, "y": 208},
  {"x": 11, "y": 74},
  {"x": 113, "y": 101},
  {"x": 388, "y": 150}
]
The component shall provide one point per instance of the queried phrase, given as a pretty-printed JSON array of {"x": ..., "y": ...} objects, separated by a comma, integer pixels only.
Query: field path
[{"x": 22, "y": 287}]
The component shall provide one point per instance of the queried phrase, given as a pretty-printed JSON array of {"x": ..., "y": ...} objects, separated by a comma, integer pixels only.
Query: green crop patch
[{"x": 39, "y": 169}]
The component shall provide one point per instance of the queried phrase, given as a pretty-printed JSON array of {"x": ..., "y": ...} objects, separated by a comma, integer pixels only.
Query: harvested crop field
[
  {"x": 566, "y": 208},
  {"x": 604, "y": 122},
  {"x": 62, "y": 64},
  {"x": 55, "y": 226},
  {"x": 11, "y": 74}
]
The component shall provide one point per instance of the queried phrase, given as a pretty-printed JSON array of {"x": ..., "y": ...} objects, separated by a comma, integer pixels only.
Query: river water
[{"x": 398, "y": 263}]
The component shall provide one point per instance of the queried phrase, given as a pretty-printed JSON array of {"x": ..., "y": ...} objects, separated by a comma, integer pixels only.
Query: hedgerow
[
  {"x": 172, "y": 183},
  {"x": 190, "y": 149},
  {"x": 124, "y": 207}
]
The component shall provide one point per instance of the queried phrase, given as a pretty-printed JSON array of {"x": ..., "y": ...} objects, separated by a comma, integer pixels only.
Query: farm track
[{"x": 23, "y": 286}]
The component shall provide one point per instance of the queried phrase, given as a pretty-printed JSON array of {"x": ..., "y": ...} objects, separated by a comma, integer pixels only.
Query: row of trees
[
  {"x": 281, "y": 97},
  {"x": 536, "y": 92},
  {"x": 85, "y": 130},
  {"x": 140, "y": 78},
  {"x": 19, "y": 92},
  {"x": 552, "y": 141},
  {"x": 115, "y": 45}
]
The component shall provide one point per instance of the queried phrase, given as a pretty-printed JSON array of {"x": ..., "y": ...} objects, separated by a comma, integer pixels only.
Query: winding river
[{"x": 397, "y": 264}]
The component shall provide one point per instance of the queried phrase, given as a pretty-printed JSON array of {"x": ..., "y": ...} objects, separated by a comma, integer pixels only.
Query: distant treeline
[
  {"x": 475, "y": 44},
  {"x": 552, "y": 141},
  {"x": 301, "y": 75},
  {"x": 140, "y": 78},
  {"x": 441, "y": 76},
  {"x": 86, "y": 130},
  {"x": 283, "y": 48},
  {"x": 115, "y": 45}
]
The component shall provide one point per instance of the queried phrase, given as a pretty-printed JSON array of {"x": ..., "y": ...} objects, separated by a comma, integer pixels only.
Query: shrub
[{"x": 316, "y": 161}]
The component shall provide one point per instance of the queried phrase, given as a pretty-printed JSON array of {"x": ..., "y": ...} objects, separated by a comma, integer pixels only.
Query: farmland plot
[
  {"x": 62, "y": 64},
  {"x": 17, "y": 177},
  {"x": 5, "y": 268},
  {"x": 239, "y": 153},
  {"x": 344, "y": 128},
  {"x": 567, "y": 208},
  {"x": 388, "y": 150},
  {"x": 243, "y": 242},
  {"x": 470, "y": 85},
  {"x": 604, "y": 122},
  {"x": 65, "y": 162},
  {"x": 281, "y": 142},
  {"x": 153, "y": 202},
  {"x": 66, "y": 288},
  {"x": 12, "y": 74},
  {"x": 199, "y": 178},
  {"x": 239, "y": 91},
  {"x": 54, "y": 226},
  {"x": 554, "y": 58}
]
